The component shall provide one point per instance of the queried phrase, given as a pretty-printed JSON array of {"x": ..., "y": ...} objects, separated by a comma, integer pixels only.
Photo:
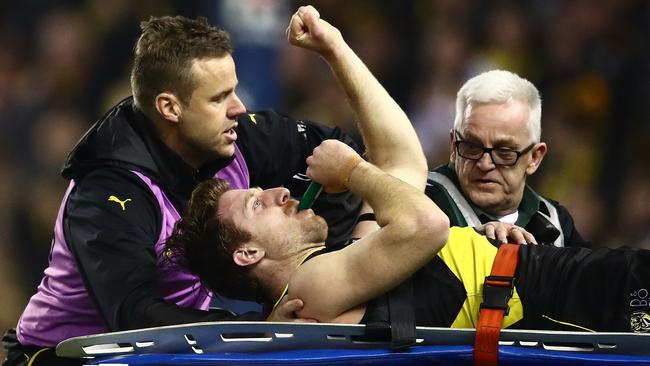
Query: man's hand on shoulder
[
  {"x": 506, "y": 233},
  {"x": 286, "y": 312}
]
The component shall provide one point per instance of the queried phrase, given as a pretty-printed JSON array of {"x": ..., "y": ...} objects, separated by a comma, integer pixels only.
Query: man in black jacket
[
  {"x": 495, "y": 146},
  {"x": 131, "y": 176}
]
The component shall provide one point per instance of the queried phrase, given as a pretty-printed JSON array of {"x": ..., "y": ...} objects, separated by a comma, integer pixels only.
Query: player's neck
[{"x": 278, "y": 273}]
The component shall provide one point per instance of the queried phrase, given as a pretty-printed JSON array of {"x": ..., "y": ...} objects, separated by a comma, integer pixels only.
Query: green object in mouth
[{"x": 310, "y": 196}]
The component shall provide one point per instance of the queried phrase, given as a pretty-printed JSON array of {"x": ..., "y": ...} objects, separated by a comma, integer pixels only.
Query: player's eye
[{"x": 257, "y": 203}]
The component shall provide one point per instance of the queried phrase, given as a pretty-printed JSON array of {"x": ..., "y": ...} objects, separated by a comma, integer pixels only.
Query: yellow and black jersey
[
  {"x": 462, "y": 265},
  {"x": 555, "y": 288},
  {"x": 447, "y": 292}
]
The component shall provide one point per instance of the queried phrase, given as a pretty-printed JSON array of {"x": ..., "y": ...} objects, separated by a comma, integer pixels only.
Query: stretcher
[{"x": 267, "y": 343}]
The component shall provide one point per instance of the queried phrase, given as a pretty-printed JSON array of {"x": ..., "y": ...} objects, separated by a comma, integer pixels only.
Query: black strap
[
  {"x": 402, "y": 316},
  {"x": 391, "y": 317},
  {"x": 368, "y": 216}
]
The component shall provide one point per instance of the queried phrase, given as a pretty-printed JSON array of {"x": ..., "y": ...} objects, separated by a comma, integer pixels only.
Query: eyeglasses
[{"x": 500, "y": 155}]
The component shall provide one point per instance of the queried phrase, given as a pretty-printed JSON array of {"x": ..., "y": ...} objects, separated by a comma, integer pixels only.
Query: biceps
[{"x": 334, "y": 283}]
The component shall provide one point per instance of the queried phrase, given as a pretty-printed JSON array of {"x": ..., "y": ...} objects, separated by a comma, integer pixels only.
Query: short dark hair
[
  {"x": 203, "y": 244},
  {"x": 163, "y": 56}
]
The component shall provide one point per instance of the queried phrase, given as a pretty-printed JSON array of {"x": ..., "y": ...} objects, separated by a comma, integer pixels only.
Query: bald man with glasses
[{"x": 495, "y": 145}]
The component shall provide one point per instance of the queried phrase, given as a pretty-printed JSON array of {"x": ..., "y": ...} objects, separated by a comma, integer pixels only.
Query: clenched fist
[
  {"x": 308, "y": 30},
  {"x": 331, "y": 164}
]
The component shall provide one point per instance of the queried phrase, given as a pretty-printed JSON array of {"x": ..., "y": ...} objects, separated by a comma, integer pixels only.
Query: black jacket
[{"x": 115, "y": 254}]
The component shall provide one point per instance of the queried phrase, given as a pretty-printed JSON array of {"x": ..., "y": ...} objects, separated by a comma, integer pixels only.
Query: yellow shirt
[{"x": 469, "y": 255}]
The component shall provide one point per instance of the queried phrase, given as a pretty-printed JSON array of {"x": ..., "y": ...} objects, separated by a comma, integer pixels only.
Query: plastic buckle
[{"x": 497, "y": 290}]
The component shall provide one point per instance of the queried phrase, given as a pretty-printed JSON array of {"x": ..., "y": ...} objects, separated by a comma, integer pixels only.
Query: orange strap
[{"x": 497, "y": 290}]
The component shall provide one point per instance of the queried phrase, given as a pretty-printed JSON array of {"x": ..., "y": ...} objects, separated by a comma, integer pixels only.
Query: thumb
[{"x": 292, "y": 305}]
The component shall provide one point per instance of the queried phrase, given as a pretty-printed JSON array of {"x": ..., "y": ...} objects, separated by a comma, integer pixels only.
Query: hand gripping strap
[{"x": 497, "y": 290}]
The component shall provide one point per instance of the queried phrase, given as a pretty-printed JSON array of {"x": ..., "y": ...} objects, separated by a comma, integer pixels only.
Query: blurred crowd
[{"x": 63, "y": 63}]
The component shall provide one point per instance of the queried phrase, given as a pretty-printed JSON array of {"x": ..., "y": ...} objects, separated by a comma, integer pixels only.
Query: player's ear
[{"x": 246, "y": 256}]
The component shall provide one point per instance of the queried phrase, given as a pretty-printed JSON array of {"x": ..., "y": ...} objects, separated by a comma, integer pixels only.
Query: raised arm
[{"x": 391, "y": 141}]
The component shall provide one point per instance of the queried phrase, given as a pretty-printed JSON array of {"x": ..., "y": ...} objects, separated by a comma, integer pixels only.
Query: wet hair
[
  {"x": 164, "y": 53},
  {"x": 203, "y": 244},
  {"x": 499, "y": 86}
]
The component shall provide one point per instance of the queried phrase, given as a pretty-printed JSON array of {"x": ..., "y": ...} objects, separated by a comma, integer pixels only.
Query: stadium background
[{"x": 63, "y": 63}]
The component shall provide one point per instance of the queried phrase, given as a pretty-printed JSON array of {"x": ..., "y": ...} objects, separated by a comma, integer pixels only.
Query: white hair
[{"x": 499, "y": 86}]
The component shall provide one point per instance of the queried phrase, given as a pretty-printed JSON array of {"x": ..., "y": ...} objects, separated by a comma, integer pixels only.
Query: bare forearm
[{"x": 388, "y": 134}]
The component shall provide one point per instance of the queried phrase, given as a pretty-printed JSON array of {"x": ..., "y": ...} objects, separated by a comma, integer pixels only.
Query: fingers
[
  {"x": 501, "y": 233},
  {"x": 516, "y": 235},
  {"x": 530, "y": 238},
  {"x": 330, "y": 165},
  {"x": 309, "y": 15},
  {"x": 303, "y": 22},
  {"x": 312, "y": 10},
  {"x": 328, "y": 185},
  {"x": 286, "y": 310},
  {"x": 296, "y": 28},
  {"x": 490, "y": 231},
  {"x": 521, "y": 236},
  {"x": 495, "y": 231},
  {"x": 507, "y": 233},
  {"x": 291, "y": 306},
  {"x": 307, "y": 30}
]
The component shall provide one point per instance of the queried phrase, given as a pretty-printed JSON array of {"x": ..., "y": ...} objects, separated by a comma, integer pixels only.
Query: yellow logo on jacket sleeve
[
  {"x": 252, "y": 117},
  {"x": 121, "y": 202}
]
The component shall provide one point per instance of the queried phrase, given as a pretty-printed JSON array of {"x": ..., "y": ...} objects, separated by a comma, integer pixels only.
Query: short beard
[{"x": 315, "y": 231}]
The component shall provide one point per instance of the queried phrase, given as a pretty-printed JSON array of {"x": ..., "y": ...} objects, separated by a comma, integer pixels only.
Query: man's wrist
[
  {"x": 335, "y": 53},
  {"x": 347, "y": 167}
]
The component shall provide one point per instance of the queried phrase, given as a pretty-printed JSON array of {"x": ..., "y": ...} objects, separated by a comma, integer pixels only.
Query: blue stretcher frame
[
  {"x": 419, "y": 355},
  {"x": 264, "y": 343}
]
